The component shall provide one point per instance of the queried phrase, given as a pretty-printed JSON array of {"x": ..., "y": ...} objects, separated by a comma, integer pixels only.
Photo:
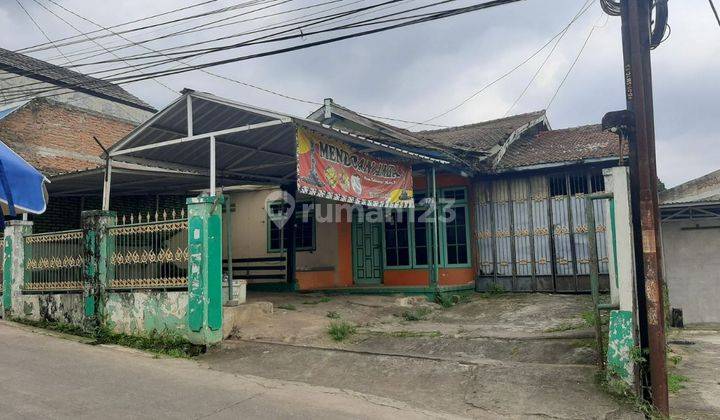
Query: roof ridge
[
  {"x": 27, "y": 66},
  {"x": 458, "y": 127}
]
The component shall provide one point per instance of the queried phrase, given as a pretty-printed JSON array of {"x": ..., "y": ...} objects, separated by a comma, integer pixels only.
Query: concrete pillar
[
  {"x": 620, "y": 247},
  {"x": 95, "y": 225},
  {"x": 14, "y": 266},
  {"x": 205, "y": 269}
]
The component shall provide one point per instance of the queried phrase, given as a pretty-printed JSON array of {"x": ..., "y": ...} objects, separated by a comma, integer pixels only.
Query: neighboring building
[
  {"x": 50, "y": 116},
  {"x": 690, "y": 217}
]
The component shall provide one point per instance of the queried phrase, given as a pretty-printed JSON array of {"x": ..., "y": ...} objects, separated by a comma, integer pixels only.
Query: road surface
[{"x": 44, "y": 376}]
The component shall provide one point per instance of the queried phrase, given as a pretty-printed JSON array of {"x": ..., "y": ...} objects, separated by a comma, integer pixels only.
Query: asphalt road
[{"x": 44, "y": 376}]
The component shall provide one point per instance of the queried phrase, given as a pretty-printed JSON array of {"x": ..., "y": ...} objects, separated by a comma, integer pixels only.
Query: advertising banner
[{"x": 331, "y": 169}]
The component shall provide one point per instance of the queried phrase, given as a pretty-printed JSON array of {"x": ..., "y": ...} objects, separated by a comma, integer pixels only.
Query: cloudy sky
[{"x": 418, "y": 72}]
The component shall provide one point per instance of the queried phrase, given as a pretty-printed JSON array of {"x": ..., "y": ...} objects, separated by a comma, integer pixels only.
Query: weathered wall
[
  {"x": 58, "y": 138},
  {"x": 142, "y": 312},
  {"x": 692, "y": 268},
  {"x": 55, "y": 307}
]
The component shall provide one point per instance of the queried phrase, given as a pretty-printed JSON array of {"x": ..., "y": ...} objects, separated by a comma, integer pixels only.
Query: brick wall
[{"x": 58, "y": 138}]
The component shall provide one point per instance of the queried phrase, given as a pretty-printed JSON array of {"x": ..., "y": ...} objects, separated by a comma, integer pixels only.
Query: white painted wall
[{"x": 692, "y": 268}]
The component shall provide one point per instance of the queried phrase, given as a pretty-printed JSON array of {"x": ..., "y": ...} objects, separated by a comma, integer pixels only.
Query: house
[
  {"x": 515, "y": 188},
  {"x": 690, "y": 216},
  {"x": 51, "y": 116}
]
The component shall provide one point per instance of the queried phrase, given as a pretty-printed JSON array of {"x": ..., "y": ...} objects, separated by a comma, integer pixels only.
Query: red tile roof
[{"x": 561, "y": 146}]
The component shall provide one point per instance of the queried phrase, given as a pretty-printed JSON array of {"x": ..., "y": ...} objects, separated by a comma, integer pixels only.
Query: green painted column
[
  {"x": 95, "y": 225},
  {"x": 14, "y": 266},
  {"x": 621, "y": 345},
  {"x": 204, "y": 315}
]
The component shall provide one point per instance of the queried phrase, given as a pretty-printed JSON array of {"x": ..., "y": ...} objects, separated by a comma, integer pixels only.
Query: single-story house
[{"x": 690, "y": 223}]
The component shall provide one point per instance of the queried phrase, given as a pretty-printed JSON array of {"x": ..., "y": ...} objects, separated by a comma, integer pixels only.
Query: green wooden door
[{"x": 367, "y": 252}]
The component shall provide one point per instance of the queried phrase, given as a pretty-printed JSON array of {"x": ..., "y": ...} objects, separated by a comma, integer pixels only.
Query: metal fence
[
  {"x": 54, "y": 261},
  {"x": 148, "y": 251}
]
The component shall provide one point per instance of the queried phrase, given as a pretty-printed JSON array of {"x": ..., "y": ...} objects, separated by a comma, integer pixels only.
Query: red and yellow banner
[{"x": 332, "y": 169}]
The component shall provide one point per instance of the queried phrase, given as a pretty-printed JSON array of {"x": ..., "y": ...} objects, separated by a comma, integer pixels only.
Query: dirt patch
[
  {"x": 695, "y": 355},
  {"x": 510, "y": 356}
]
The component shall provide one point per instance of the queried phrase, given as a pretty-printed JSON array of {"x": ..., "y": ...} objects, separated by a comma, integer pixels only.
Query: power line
[
  {"x": 426, "y": 18},
  {"x": 714, "y": 10},
  {"x": 42, "y": 31},
  {"x": 577, "y": 57},
  {"x": 583, "y": 9},
  {"x": 269, "y": 38},
  {"x": 95, "y": 42},
  {"x": 504, "y": 75}
]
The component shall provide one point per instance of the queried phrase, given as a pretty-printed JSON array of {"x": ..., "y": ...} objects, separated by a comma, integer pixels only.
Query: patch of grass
[
  {"x": 60, "y": 327},
  {"x": 417, "y": 314},
  {"x": 341, "y": 330},
  {"x": 622, "y": 392},
  {"x": 675, "y": 382},
  {"x": 159, "y": 343},
  {"x": 448, "y": 300},
  {"x": 589, "y": 318},
  {"x": 332, "y": 315},
  {"x": 565, "y": 326},
  {"x": 287, "y": 307},
  {"x": 675, "y": 359},
  {"x": 311, "y": 302},
  {"x": 494, "y": 290},
  {"x": 325, "y": 299}
]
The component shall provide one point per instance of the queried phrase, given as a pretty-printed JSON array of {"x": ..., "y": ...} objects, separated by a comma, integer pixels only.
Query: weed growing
[
  {"x": 676, "y": 382},
  {"x": 341, "y": 330},
  {"x": 418, "y": 314}
]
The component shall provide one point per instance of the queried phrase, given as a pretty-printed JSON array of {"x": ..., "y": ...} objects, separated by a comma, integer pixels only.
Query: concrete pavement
[{"x": 45, "y": 376}]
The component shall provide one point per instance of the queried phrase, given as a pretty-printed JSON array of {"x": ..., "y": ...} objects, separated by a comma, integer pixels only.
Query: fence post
[
  {"x": 205, "y": 269},
  {"x": 14, "y": 266},
  {"x": 95, "y": 225}
]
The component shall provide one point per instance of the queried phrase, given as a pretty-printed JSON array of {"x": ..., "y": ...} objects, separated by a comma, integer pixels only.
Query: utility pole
[{"x": 638, "y": 38}]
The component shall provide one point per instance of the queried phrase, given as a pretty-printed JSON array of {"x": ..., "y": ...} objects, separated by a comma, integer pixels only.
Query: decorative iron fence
[
  {"x": 54, "y": 261},
  {"x": 148, "y": 252}
]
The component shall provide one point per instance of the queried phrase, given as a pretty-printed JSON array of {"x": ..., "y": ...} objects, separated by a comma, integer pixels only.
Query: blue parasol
[{"x": 22, "y": 187}]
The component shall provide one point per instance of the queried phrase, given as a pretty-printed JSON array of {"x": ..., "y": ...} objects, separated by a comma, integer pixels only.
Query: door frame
[{"x": 381, "y": 266}]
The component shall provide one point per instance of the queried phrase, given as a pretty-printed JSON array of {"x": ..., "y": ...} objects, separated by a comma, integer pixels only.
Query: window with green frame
[
  {"x": 455, "y": 229},
  {"x": 397, "y": 239},
  {"x": 407, "y": 233},
  {"x": 304, "y": 228}
]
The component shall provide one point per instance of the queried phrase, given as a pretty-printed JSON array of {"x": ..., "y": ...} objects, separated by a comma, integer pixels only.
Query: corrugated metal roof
[
  {"x": 702, "y": 190},
  {"x": 252, "y": 144},
  {"x": 41, "y": 70}
]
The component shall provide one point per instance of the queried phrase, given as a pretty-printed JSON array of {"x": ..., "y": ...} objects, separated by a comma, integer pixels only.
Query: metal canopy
[
  {"x": 201, "y": 136},
  {"x": 251, "y": 144}
]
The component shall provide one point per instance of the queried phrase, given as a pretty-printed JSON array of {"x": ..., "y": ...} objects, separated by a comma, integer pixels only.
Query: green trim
[
  {"x": 443, "y": 231},
  {"x": 410, "y": 241},
  {"x": 613, "y": 231}
]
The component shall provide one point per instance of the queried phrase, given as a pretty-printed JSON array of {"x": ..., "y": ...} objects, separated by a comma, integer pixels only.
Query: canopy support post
[
  {"x": 189, "y": 116},
  {"x": 106, "y": 185},
  {"x": 212, "y": 166},
  {"x": 436, "y": 232},
  {"x": 291, "y": 190}
]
